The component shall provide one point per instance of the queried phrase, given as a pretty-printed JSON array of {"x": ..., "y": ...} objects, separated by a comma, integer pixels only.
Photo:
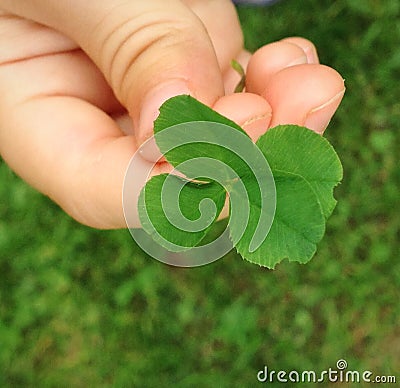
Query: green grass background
[{"x": 85, "y": 308}]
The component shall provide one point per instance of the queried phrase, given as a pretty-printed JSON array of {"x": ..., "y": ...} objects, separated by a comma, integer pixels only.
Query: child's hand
[{"x": 70, "y": 71}]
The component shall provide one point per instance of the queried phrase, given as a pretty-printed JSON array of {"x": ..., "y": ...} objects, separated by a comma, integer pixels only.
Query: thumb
[{"x": 148, "y": 51}]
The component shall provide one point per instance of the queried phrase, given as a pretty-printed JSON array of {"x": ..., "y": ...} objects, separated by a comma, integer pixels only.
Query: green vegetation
[
  {"x": 80, "y": 307},
  {"x": 302, "y": 164}
]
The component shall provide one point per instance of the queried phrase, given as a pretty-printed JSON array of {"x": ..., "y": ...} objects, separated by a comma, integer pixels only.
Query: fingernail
[
  {"x": 312, "y": 55},
  {"x": 257, "y": 126},
  {"x": 124, "y": 123},
  {"x": 298, "y": 61},
  {"x": 150, "y": 151},
  {"x": 318, "y": 118},
  {"x": 153, "y": 101}
]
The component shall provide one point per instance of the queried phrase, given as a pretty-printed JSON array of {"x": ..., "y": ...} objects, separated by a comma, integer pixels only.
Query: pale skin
[{"x": 81, "y": 83}]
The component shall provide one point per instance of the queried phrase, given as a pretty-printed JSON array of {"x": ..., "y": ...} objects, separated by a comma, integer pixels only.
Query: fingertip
[
  {"x": 270, "y": 59},
  {"x": 306, "y": 45},
  {"x": 248, "y": 110},
  {"x": 319, "y": 117},
  {"x": 305, "y": 95},
  {"x": 150, "y": 151},
  {"x": 152, "y": 101}
]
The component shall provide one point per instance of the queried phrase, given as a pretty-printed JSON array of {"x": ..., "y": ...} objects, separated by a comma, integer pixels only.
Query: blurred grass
[{"x": 80, "y": 307}]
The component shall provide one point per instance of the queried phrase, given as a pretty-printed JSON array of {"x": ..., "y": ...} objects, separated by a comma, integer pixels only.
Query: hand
[{"x": 81, "y": 83}]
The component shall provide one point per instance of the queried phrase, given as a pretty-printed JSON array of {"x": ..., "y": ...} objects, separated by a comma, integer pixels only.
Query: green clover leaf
[{"x": 280, "y": 189}]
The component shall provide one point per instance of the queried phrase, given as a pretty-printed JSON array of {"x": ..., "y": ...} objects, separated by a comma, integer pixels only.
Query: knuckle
[{"x": 134, "y": 41}]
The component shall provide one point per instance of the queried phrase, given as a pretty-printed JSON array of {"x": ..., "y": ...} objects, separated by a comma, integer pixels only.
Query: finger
[
  {"x": 306, "y": 45},
  {"x": 63, "y": 74},
  {"x": 250, "y": 111},
  {"x": 79, "y": 159},
  {"x": 37, "y": 61},
  {"x": 223, "y": 26},
  {"x": 21, "y": 39},
  {"x": 147, "y": 50},
  {"x": 270, "y": 59},
  {"x": 305, "y": 95}
]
